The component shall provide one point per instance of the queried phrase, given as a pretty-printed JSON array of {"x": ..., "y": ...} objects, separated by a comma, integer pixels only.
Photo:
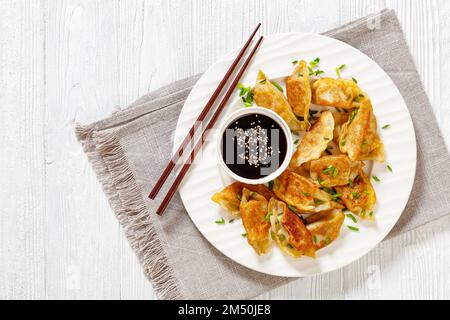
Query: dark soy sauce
[{"x": 254, "y": 146}]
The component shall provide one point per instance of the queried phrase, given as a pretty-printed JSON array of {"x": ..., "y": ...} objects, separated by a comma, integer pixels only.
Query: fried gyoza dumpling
[
  {"x": 338, "y": 93},
  {"x": 230, "y": 197},
  {"x": 302, "y": 194},
  {"x": 359, "y": 196},
  {"x": 315, "y": 141},
  {"x": 288, "y": 231},
  {"x": 298, "y": 90},
  {"x": 268, "y": 96},
  {"x": 359, "y": 137},
  {"x": 334, "y": 170},
  {"x": 303, "y": 170},
  {"x": 325, "y": 227},
  {"x": 254, "y": 211}
]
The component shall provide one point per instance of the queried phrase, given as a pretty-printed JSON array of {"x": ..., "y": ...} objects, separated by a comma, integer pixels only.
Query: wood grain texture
[{"x": 73, "y": 61}]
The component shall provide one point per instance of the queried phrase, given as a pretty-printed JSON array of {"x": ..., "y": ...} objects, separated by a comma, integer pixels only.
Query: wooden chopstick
[
  {"x": 205, "y": 132},
  {"x": 162, "y": 179}
]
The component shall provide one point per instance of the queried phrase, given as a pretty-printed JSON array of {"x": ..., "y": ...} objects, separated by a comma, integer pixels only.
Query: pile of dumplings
[{"x": 302, "y": 210}]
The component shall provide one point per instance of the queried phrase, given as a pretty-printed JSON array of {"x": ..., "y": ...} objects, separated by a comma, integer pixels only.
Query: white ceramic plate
[{"x": 205, "y": 177}]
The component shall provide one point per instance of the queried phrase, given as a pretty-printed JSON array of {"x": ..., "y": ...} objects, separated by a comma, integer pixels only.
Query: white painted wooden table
[{"x": 68, "y": 61}]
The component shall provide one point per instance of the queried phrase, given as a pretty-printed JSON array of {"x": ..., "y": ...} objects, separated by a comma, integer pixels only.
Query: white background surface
[{"x": 63, "y": 62}]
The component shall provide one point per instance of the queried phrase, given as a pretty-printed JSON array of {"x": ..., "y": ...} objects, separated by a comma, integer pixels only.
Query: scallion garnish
[
  {"x": 376, "y": 178},
  {"x": 353, "y": 228},
  {"x": 221, "y": 221},
  {"x": 354, "y": 80},
  {"x": 389, "y": 168},
  {"x": 386, "y": 126},
  {"x": 277, "y": 85},
  {"x": 349, "y": 215},
  {"x": 353, "y": 115},
  {"x": 294, "y": 62}
]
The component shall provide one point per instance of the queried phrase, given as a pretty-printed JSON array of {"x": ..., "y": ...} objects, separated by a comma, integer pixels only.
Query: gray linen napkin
[{"x": 129, "y": 149}]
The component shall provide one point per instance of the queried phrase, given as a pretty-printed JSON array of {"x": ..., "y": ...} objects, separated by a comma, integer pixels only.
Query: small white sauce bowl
[{"x": 265, "y": 112}]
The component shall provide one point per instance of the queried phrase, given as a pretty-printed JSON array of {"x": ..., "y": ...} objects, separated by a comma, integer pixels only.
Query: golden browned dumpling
[
  {"x": 303, "y": 170},
  {"x": 325, "y": 227},
  {"x": 301, "y": 194},
  {"x": 359, "y": 137},
  {"x": 268, "y": 96},
  {"x": 254, "y": 211},
  {"x": 334, "y": 170},
  {"x": 359, "y": 196},
  {"x": 230, "y": 197},
  {"x": 298, "y": 90},
  {"x": 315, "y": 141},
  {"x": 288, "y": 231},
  {"x": 338, "y": 93}
]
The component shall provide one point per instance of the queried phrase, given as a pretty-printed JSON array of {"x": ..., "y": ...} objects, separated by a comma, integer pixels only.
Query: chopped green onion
[
  {"x": 277, "y": 85},
  {"x": 353, "y": 228},
  {"x": 271, "y": 185},
  {"x": 342, "y": 67},
  {"x": 296, "y": 141},
  {"x": 294, "y": 62},
  {"x": 389, "y": 168},
  {"x": 367, "y": 192},
  {"x": 354, "y": 80},
  {"x": 343, "y": 141},
  {"x": 329, "y": 169},
  {"x": 231, "y": 221},
  {"x": 243, "y": 234},
  {"x": 272, "y": 235},
  {"x": 281, "y": 237},
  {"x": 335, "y": 172},
  {"x": 338, "y": 72},
  {"x": 306, "y": 194},
  {"x": 327, "y": 240},
  {"x": 353, "y": 115},
  {"x": 376, "y": 178},
  {"x": 349, "y": 215},
  {"x": 370, "y": 213},
  {"x": 386, "y": 126},
  {"x": 221, "y": 221},
  {"x": 268, "y": 215},
  {"x": 314, "y": 238},
  {"x": 355, "y": 195},
  {"x": 290, "y": 246},
  {"x": 263, "y": 81}
]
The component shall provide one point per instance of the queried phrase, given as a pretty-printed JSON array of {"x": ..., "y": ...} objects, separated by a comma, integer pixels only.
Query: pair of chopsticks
[{"x": 170, "y": 166}]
